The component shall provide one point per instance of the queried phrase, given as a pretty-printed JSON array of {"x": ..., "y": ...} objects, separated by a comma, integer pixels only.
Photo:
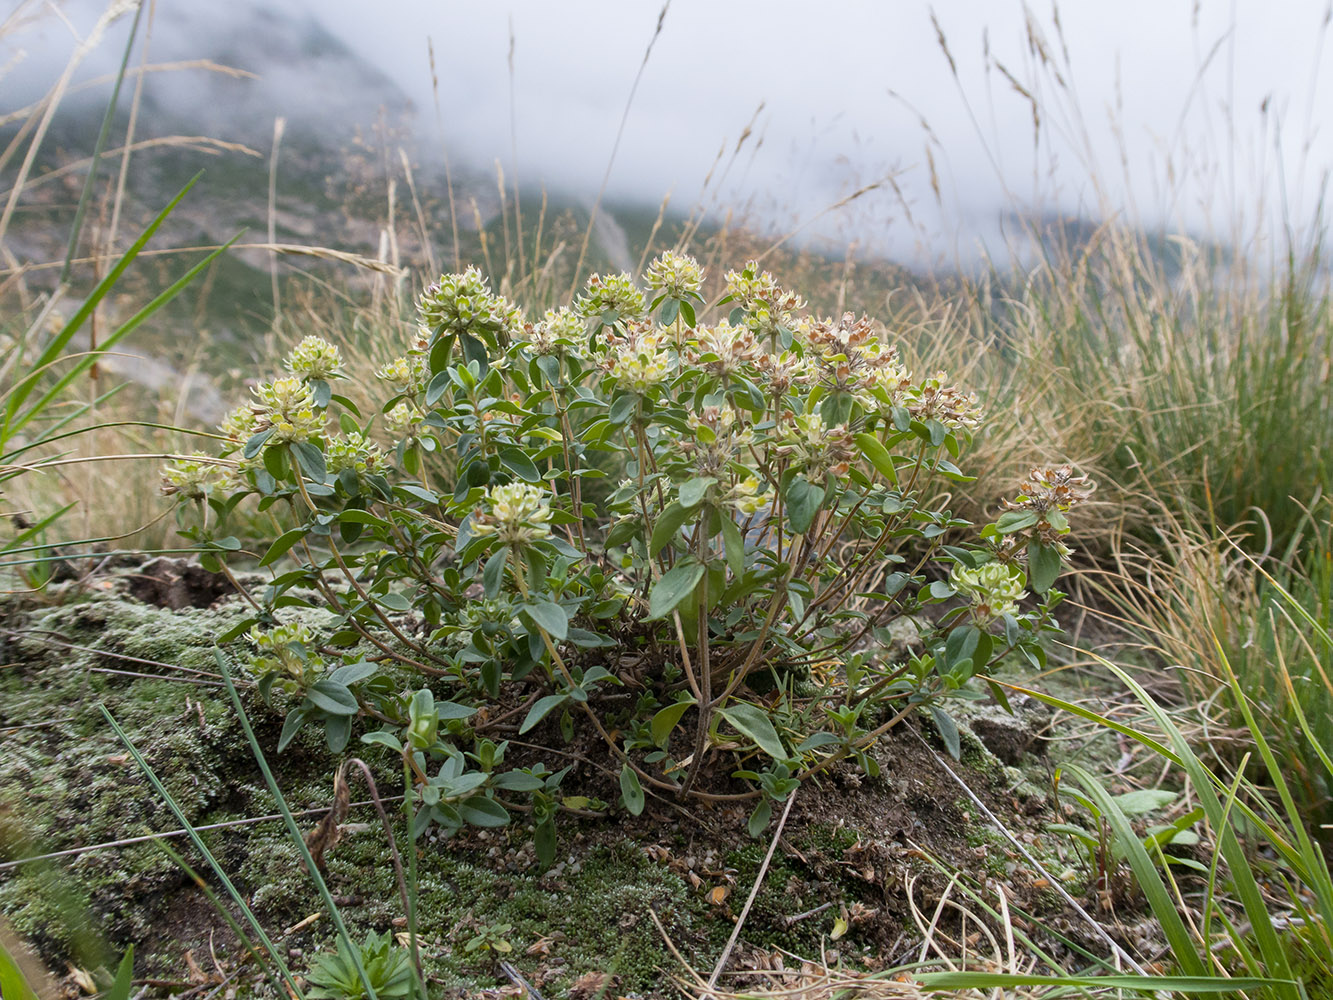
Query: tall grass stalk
[{"x": 1203, "y": 603}]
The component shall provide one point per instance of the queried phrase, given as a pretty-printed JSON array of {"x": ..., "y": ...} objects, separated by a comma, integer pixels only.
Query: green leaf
[
  {"x": 549, "y": 616},
  {"x": 311, "y": 461},
  {"x": 1015, "y": 520},
  {"x": 631, "y": 792},
  {"x": 355, "y": 515},
  {"x": 873, "y": 449},
  {"x": 693, "y": 492},
  {"x": 337, "y": 731},
  {"x": 353, "y": 673},
  {"x": 1043, "y": 566},
  {"x": 622, "y": 408},
  {"x": 517, "y": 781},
  {"x": 290, "y": 727},
  {"x": 541, "y": 709},
  {"x": 281, "y": 545},
  {"x": 948, "y": 732},
  {"x": 275, "y": 461},
  {"x": 1001, "y": 698},
  {"x": 481, "y": 811},
  {"x": 667, "y": 525},
  {"x": 517, "y": 462},
  {"x": 394, "y": 602},
  {"x": 734, "y": 543},
  {"x": 753, "y": 721},
  {"x": 803, "y": 502},
  {"x": 493, "y": 574},
  {"x": 961, "y": 645},
  {"x": 544, "y": 841},
  {"x": 1144, "y": 800},
  {"x": 759, "y": 818},
  {"x": 453, "y": 710},
  {"x": 120, "y": 989},
  {"x": 676, "y": 585},
  {"x": 666, "y": 720},
  {"x": 332, "y": 697},
  {"x": 383, "y": 739},
  {"x": 12, "y": 982}
]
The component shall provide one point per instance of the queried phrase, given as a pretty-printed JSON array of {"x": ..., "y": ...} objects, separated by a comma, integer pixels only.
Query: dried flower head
[
  {"x": 932, "y": 399},
  {"x": 781, "y": 371},
  {"x": 820, "y": 448},
  {"x": 718, "y": 442},
  {"x": 1052, "y": 489}
]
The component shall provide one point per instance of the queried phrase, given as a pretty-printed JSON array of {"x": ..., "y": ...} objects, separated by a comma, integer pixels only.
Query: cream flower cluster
[
  {"x": 640, "y": 361},
  {"x": 407, "y": 374},
  {"x": 676, "y": 275},
  {"x": 354, "y": 452},
  {"x": 463, "y": 303},
  {"x": 287, "y": 406},
  {"x": 557, "y": 330},
  {"x": 195, "y": 478},
  {"x": 767, "y": 305},
  {"x": 994, "y": 589},
  {"x": 519, "y": 513},
  {"x": 275, "y": 653},
  {"x": 315, "y": 358},
  {"x": 616, "y": 293}
]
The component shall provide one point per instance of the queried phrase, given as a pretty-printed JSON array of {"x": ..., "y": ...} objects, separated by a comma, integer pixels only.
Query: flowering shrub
[{"x": 769, "y": 519}]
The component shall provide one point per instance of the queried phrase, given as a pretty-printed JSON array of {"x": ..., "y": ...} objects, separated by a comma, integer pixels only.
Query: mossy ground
[{"x": 66, "y": 782}]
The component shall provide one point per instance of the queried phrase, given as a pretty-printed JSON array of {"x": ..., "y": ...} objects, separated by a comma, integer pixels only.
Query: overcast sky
[{"x": 1211, "y": 103}]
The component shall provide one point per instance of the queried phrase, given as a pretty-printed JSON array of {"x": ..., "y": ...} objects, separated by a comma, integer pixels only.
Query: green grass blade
[
  {"x": 120, "y": 989},
  {"x": 202, "y": 848},
  {"x": 24, "y": 388},
  {"x": 12, "y": 982},
  {"x": 207, "y": 890},
  {"x": 1145, "y": 873},
  {"x": 36, "y": 529},
  {"x": 1238, "y": 864},
  {"x": 334, "y": 914},
  {"x": 1138, "y": 984},
  {"x": 1083, "y": 713},
  {"x": 130, "y": 325}
]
